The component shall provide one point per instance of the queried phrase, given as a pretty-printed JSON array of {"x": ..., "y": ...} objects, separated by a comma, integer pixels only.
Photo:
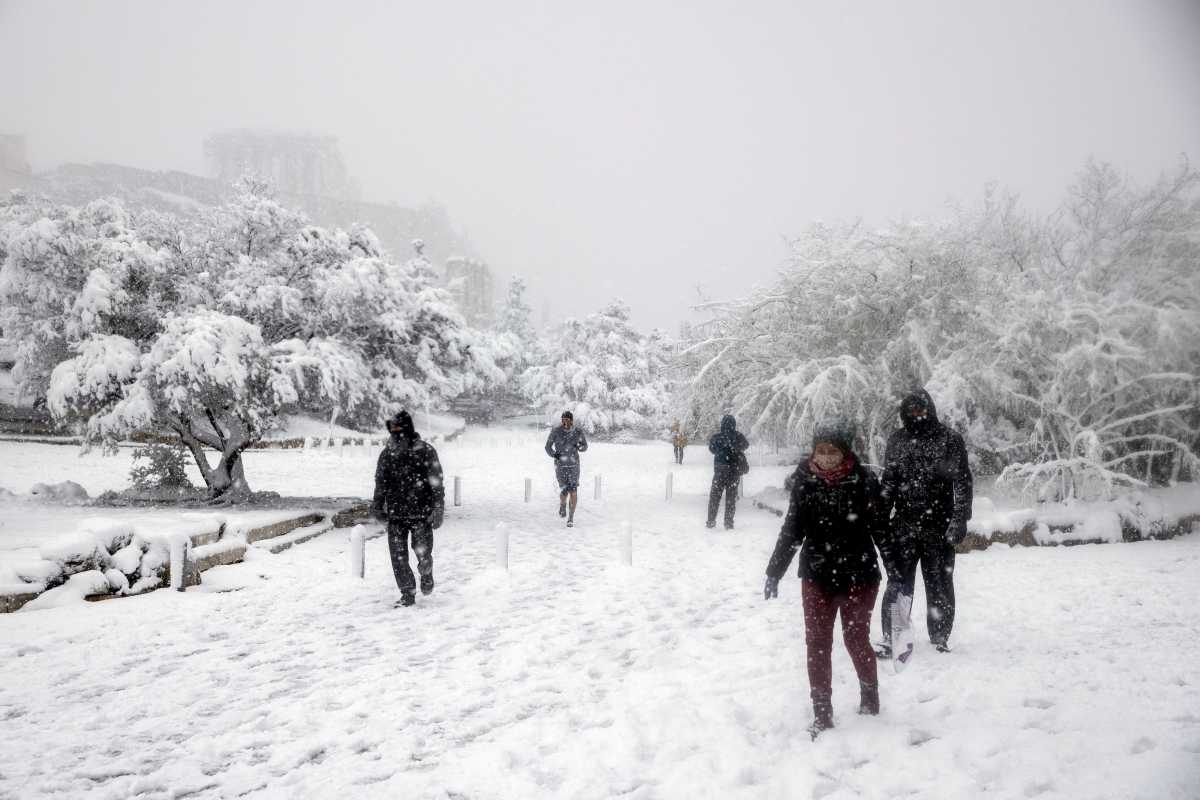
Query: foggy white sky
[{"x": 630, "y": 149}]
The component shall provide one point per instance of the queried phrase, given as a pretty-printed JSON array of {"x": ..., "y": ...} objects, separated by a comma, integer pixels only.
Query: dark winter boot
[
  {"x": 868, "y": 698},
  {"x": 426, "y": 584},
  {"x": 942, "y": 647},
  {"x": 562, "y": 508},
  {"x": 407, "y": 599},
  {"x": 883, "y": 650},
  {"x": 822, "y": 713},
  {"x": 712, "y": 523}
]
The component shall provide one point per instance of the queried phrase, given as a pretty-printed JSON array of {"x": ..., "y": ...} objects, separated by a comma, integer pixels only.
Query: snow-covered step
[{"x": 299, "y": 536}]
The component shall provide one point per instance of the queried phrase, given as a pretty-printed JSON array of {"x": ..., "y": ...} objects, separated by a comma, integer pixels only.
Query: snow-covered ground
[{"x": 1073, "y": 674}]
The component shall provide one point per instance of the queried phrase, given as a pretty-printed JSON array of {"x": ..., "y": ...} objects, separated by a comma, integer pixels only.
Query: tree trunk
[{"x": 227, "y": 480}]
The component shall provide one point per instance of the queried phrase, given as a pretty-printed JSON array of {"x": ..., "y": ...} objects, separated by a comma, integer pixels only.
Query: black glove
[
  {"x": 435, "y": 519},
  {"x": 771, "y": 589},
  {"x": 378, "y": 513},
  {"x": 957, "y": 531}
]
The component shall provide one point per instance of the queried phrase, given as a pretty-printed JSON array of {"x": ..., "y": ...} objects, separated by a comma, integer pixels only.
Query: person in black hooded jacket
[
  {"x": 927, "y": 481},
  {"x": 410, "y": 497},
  {"x": 727, "y": 446},
  {"x": 834, "y": 520}
]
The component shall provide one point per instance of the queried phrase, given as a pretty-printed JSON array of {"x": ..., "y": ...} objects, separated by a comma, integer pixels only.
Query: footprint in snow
[
  {"x": 1038, "y": 702},
  {"x": 1141, "y": 745},
  {"x": 916, "y": 737}
]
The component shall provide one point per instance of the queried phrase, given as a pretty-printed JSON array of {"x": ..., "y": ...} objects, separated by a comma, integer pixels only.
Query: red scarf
[{"x": 832, "y": 476}]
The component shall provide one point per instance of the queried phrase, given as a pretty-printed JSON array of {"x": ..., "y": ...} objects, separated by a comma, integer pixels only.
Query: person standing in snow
[
  {"x": 728, "y": 447},
  {"x": 410, "y": 497},
  {"x": 927, "y": 481},
  {"x": 833, "y": 518},
  {"x": 679, "y": 441},
  {"x": 564, "y": 444}
]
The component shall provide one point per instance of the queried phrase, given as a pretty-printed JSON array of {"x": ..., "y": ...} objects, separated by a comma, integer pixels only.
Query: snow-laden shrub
[{"x": 160, "y": 466}]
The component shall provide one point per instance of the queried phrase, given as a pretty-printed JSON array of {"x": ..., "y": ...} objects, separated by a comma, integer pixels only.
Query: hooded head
[
  {"x": 917, "y": 412},
  {"x": 728, "y": 424},
  {"x": 400, "y": 426},
  {"x": 568, "y": 419},
  {"x": 837, "y": 432}
]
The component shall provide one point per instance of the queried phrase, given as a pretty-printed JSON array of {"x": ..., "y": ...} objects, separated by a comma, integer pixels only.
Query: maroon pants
[{"x": 820, "y": 608}]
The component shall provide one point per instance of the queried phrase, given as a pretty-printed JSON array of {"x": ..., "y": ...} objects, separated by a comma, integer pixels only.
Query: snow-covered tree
[
  {"x": 1065, "y": 348},
  {"x": 610, "y": 376},
  {"x": 213, "y": 331}
]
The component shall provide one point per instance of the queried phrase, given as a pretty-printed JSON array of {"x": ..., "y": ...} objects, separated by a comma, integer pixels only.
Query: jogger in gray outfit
[{"x": 564, "y": 444}]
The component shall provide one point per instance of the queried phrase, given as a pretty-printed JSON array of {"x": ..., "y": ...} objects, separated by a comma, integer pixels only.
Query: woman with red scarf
[{"x": 833, "y": 521}]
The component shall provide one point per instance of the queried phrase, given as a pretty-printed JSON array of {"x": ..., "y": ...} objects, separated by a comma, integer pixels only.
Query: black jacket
[
  {"x": 727, "y": 443},
  {"x": 926, "y": 478},
  {"x": 408, "y": 479},
  {"x": 836, "y": 528}
]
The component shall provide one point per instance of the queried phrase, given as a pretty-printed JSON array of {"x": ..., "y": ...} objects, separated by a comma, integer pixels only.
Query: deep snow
[{"x": 1073, "y": 674}]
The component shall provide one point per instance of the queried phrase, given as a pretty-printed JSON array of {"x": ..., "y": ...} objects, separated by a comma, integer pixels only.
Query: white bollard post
[
  {"x": 358, "y": 552},
  {"x": 178, "y": 544},
  {"x": 625, "y": 545},
  {"x": 457, "y": 490},
  {"x": 528, "y": 489},
  {"x": 597, "y": 494},
  {"x": 670, "y": 484},
  {"x": 502, "y": 546}
]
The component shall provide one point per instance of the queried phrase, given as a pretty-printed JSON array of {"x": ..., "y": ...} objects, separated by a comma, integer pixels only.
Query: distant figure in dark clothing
[
  {"x": 410, "y": 497},
  {"x": 679, "y": 441},
  {"x": 833, "y": 519},
  {"x": 728, "y": 448},
  {"x": 927, "y": 480},
  {"x": 564, "y": 444}
]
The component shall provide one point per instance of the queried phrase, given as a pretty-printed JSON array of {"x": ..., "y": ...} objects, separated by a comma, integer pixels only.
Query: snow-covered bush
[
  {"x": 1066, "y": 349},
  {"x": 606, "y": 373},
  {"x": 210, "y": 331},
  {"x": 160, "y": 466}
]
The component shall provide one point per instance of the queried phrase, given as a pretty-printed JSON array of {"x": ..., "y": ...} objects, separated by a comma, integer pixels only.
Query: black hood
[
  {"x": 403, "y": 421},
  {"x": 919, "y": 398},
  {"x": 728, "y": 424}
]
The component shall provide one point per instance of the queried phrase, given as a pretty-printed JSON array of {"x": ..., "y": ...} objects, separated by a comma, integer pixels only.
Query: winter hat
[
  {"x": 837, "y": 432},
  {"x": 728, "y": 424},
  {"x": 402, "y": 421},
  {"x": 568, "y": 415}
]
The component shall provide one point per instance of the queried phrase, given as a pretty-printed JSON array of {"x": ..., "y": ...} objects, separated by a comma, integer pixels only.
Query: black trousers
[
  {"x": 936, "y": 558},
  {"x": 678, "y": 454},
  {"x": 725, "y": 481},
  {"x": 399, "y": 533}
]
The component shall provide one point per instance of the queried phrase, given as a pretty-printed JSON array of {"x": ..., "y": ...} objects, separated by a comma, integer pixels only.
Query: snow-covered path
[{"x": 571, "y": 676}]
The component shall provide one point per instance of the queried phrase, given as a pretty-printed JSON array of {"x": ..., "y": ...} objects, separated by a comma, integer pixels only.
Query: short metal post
[
  {"x": 179, "y": 545},
  {"x": 597, "y": 494},
  {"x": 358, "y": 552},
  {"x": 625, "y": 546},
  {"x": 457, "y": 490},
  {"x": 670, "y": 484},
  {"x": 528, "y": 489}
]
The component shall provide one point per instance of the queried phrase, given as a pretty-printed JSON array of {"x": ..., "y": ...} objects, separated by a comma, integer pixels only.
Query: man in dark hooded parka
[{"x": 927, "y": 481}]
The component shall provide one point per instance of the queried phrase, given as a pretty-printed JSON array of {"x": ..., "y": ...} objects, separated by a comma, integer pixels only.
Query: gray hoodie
[{"x": 564, "y": 446}]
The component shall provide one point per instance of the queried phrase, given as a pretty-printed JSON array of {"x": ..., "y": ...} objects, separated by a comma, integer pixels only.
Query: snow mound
[{"x": 67, "y": 492}]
